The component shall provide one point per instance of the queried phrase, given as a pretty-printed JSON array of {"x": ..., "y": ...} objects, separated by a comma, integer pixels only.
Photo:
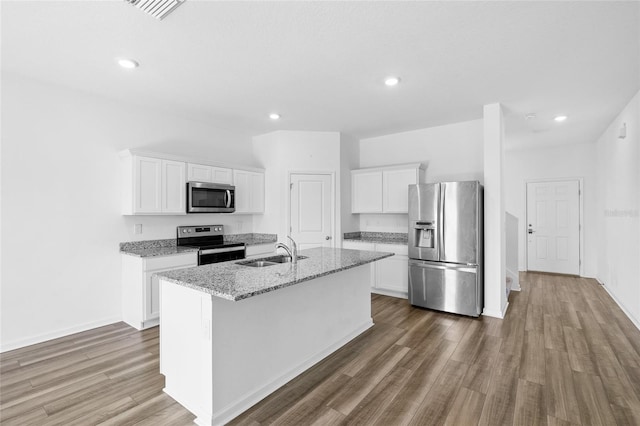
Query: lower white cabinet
[
  {"x": 260, "y": 250},
  {"x": 389, "y": 276},
  {"x": 140, "y": 291}
]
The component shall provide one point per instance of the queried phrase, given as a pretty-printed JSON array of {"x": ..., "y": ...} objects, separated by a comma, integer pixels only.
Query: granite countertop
[
  {"x": 168, "y": 247},
  {"x": 231, "y": 281},
  {"x": 377, "y": 237}
]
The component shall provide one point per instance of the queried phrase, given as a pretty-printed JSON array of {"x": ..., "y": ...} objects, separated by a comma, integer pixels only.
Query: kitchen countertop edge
[{"x": 375, "y": 256}]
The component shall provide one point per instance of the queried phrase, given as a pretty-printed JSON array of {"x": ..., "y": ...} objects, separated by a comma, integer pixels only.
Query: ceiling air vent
[{"x": 156, "y": 8}]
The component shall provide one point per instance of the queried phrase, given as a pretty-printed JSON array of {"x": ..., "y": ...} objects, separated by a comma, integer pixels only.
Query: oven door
[
  {"x": 204, "y": 197},
  {"x": 221, "y": 254}
]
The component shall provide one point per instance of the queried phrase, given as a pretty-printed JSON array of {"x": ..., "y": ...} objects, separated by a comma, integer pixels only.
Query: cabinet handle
[{"x": 327, "y": 238}]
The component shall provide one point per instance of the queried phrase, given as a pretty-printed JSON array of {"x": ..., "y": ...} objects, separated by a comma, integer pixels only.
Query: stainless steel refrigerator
[{"x": 446, "y": 247}]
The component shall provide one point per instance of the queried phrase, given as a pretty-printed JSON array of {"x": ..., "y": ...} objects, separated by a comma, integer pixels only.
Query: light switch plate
[{"x": 137, "y": 228}]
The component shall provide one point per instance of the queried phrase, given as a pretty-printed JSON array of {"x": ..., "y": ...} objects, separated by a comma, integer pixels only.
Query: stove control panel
[{"x": 200, "y": 231}]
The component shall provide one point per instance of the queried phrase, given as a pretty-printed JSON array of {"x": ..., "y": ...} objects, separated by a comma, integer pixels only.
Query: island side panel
[
  {"x": 257, "y": 344},
  {"x": 267, "y": 340},
  {"x": 186, "y": 346}
]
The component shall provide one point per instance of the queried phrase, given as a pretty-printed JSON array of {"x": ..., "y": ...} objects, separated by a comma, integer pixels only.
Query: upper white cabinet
[
  {"x": 383, "y": 189},
  {"x": 153, "y": 186},
  {"x": 173, "y": 187},
  {"x": 156, "y": 184},
  {"x": 249, "y": 193},
  {"x": 366, "y": 191},
  {"x": 204, "y": 173}
]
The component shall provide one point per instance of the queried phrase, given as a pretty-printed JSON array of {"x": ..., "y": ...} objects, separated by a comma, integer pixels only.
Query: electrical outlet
[{"x": 137, "y": 228}]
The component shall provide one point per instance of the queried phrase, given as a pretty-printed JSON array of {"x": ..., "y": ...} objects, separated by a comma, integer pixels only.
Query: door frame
[
  {"x": 580, "y": 217},
  {"x": 330, "y": 173}
]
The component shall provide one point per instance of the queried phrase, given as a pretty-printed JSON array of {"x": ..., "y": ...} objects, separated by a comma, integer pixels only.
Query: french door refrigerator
[{"x": 446, "y": 247}]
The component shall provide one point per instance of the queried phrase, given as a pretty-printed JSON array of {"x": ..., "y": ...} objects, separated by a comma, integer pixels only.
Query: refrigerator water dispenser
[{"x": 425, "y": 234}]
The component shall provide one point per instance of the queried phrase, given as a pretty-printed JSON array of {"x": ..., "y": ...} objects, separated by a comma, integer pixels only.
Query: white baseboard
[
  {"x": 398, "y": 294},
  {"x": 626, "y": 312},
  {"x": 496, "y": 313},
  {"x": 232, "y": 411},
  {"x": 32, "y": 340},
  {"x": 515, "y": 279}
]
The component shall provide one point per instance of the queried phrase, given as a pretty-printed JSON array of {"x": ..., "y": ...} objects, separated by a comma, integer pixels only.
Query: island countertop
[{"x": 231, "y": 281}]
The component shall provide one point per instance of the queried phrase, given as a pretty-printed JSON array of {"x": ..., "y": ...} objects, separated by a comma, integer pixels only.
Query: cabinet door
[
  {"x": 199, "y": 173},
  {"x": 173, "y": 187},
  {"x": 392, "y": 273},
  {"x": 147, "y": 189},
  {"x": 242, "y": 181},
  {"x": 366, "y": 192},
  {"x": 257, "y": 193},
  {"x": 395, "y": 190},
  {"x": 221, "y": 175},
  {"x": 249, "y": 191},
  {"x": 152, "y": 283}
]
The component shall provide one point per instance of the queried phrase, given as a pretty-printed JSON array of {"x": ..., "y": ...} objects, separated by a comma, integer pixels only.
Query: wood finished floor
[{"x": 565, "y": 355}]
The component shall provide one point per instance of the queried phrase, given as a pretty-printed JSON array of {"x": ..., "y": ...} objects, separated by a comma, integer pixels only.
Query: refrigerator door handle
[
  {"x": 442, "y": 218},
  {"x": 444, "y": 266}
]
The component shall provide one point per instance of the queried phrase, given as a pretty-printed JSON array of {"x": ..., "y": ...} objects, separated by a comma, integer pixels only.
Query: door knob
[{"x": 327, "y": 237}]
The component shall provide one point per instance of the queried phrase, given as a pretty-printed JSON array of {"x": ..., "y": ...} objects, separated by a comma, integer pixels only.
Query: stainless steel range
[{"x": 209, "y": 240}]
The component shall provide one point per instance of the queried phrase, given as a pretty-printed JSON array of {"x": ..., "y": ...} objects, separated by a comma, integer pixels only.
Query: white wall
[
  {"x": 566, "y": 161},
  {"x": 451, "y": 152},
  {"x": 618, "y": 210},
  {"x": 61, "y": 221},
  {"x": 349, "y": 160},
  {"x": 282, "y": 152},
  {"x": 495, "y": 300}
]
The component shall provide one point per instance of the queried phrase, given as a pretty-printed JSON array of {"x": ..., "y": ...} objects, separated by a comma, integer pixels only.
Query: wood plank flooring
[{"x": 565, "y": 355}]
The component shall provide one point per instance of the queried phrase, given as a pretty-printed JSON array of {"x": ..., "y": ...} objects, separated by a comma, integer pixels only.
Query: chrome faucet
[{"x": 292, "y": 252}]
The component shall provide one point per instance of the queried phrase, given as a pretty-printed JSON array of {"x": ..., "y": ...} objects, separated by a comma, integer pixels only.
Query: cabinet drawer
[
  {"x": 400, "y": 249},
  {"x": 358, "y": 245},
  {"x": 168, "y": 262}
]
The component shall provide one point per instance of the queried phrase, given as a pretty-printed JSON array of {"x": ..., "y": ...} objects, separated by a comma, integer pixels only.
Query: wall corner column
[{"x": 495, "y": 299}]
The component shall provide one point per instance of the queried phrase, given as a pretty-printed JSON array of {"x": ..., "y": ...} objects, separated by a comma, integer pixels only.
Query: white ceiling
[{"x": 321, "y": 64}]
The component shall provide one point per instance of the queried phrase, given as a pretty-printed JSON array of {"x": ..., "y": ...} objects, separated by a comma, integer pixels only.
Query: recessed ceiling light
[
  {"x": 274, "y": 116},
  {"x": 128, "y": 63},
  {"x": 560, "y": 118},
  {"x": 530, "y": 116},
  {"x": 391, "y": 81}
]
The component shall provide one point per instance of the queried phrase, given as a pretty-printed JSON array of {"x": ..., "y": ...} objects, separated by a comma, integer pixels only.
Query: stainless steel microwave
[{"x": 205, "y": 197}]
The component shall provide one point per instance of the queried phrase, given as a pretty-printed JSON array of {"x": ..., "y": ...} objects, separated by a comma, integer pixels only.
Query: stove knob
[
  {"x": 189, "y": 230},
  {"x": 184, "y": 231}
]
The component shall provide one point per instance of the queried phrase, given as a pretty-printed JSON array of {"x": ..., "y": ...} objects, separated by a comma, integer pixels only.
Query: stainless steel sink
[{"x": 267, "y": 261}]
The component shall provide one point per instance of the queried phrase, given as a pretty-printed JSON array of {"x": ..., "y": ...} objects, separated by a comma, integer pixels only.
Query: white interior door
[
  {"x": 312, "y": 210},
  {"x": 553, "y": 227}
]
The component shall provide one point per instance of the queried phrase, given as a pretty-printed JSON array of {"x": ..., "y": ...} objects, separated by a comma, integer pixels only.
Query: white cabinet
[
  {"x": 173, "y": 187},
  {"x": 389, "y": 276},
  {"x": 249, "y": 193},
  {"x": 152, "y": 186},
  {"x": 140, "y": 291},
  {"x": 204, "y": 173},
  {"x": 392, "y": 273},
  {"x": 366, "y": 192},
  {"x": 260, "y": 250},
  {"x": 383, "y": 189}
]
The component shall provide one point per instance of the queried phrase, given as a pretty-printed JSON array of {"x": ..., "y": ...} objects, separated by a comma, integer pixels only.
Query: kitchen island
[{"x": 231, "y": 334}]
